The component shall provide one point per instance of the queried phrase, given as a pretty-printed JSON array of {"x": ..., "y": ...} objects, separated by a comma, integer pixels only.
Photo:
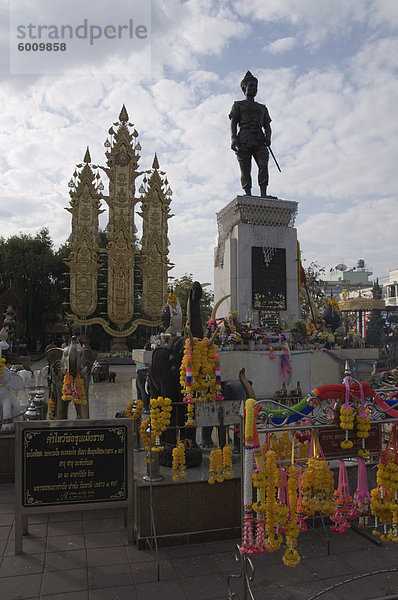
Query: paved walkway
[
  {"x": 85, "y": 556},
  {"x": 75, "y": 556}
]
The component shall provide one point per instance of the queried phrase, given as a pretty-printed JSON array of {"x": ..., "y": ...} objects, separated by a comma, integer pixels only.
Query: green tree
[
  {"x": 36, "y": 273},
  {"x": 313, "y": 285},
  {"x": 182, "y": 286},
  {"x": 375, "y": 327}
]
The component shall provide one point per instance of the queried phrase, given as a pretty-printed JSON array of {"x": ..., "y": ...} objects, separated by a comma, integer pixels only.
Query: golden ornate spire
[
  {"x": 85, "y": 208},
  {"x": 155, "y": 212},
  {"x": 122, "y": 261}
]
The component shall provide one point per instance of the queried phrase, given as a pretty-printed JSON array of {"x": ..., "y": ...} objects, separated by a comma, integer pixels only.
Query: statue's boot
[
  {"x": 248, "y": 190},
  {"x": 263, "y": 190}
]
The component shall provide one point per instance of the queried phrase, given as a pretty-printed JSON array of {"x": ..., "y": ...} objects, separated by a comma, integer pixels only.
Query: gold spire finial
[
  {"x": 123, "y": 117},
  {"x": 155, "y": 164},
  {"x": 87, "y": 157}
]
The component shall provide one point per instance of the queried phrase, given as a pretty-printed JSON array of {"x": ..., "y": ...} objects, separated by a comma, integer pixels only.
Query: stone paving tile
[
  {"x": 7, "y": 508},
  {"x": 6, "y": 519},
  {"x": 61, "y": 582},
  {"x": 146, "y": 572},
  {"x": 97, "y": 557},
  {"x": 80, "y": 595},
  {"x": 138, "y": 556},
  {"x": 190, "y": 566},
  {"x": 306, "y": 590},
  {"x": 272, "y": 594},
  {"x": 124, "y": 592},
  {"x": 386, "y": 583},
  {"x": 23, "y": 564},
  {"x": 97, "y": 525},
  {"x": 110, "y": 576},
  {"x": 163, "y": 590},
  {"x": 362, "y": 589},
  {"x": 20, "y": 587},
  {"x": 182, "y": 551},
  {"x": 3, "y": 544},
  {"x": 5, "y": 532},
  {"x": 370, "y": 559},
  {"x": 101, "y": 540},
  {"x": 325, "y": 566},
  {"x": 269, "y": 574},
  {"x": 39, "y": 518},
  {"x": 31, "y": 545},
  {"x": 73, "y": 515},
  {"x": 36, "y": 530},
  {"x": 102, "y": 513},
  {"x": 60, "y": 543},
  {"x": 62, "y": 561},
  {"x": 65, "y": 528},
  {"x": 225, "y": 562},
  {"x": 208, "y": 586}
]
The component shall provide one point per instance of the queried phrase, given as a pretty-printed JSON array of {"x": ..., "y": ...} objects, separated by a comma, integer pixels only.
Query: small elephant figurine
[
  {"x": 70, "y": 370},
  {"x": 10, "y": 382}
]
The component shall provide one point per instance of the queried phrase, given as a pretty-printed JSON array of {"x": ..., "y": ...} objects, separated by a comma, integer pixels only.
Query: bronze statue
[{"x": 254, "y": 136}]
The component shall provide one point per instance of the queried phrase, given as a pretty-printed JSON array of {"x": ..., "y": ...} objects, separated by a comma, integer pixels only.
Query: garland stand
[{"x": 317, "y": 410}]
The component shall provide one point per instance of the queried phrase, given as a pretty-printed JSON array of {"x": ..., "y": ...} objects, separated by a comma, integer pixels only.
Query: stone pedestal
[{"x": 256, "y": 259}]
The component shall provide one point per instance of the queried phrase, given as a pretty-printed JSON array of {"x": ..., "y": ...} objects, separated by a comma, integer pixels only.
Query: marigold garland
[
  {"x": 216, "y": 466},
  {"x": 178, "y": 466},
  {"x": 134, "y": 409},
  {"x": 148, "y": 437},
  {"x": 317, "y": 488},
  {"x": 2, "y": 365},
  {"x": 51, "y": 408},
  {"x": 160, "y": 414},
  {"x": 200, "y": 374},
  {"x": 73, "y": 389}
]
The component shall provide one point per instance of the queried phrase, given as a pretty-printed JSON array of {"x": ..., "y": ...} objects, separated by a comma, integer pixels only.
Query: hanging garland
[
  {"x": 178, "y": 465},
  {"x": 2, "y": 365},
  {"x": 134, "y": 409},
  {"x": 73, "y": 389},
  {"x": 160, "y": 415}
]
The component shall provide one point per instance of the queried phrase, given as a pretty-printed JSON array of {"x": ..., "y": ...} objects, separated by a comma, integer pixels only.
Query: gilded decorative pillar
[
  {"x": 155, "y": 212},
  {"x": 85, "y": 193},
  {"x": 122, "y": 160}
]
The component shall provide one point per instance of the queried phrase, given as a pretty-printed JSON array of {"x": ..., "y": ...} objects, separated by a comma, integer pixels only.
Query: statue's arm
[
  {"x": 234, "y": 117},
  {"x": 234, "y": 134},
  {"x": 267, "y": 127},
  {"x": 267, "y": 132}
]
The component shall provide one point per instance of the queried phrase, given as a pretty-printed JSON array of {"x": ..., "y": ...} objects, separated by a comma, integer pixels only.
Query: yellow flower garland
[
  {"x": 318, "y": 488},
  {"x": 273, "y": 538},
  {"x": 216, "y": 466},
  {"x": 73, "y": 389},
  {"x": 203, "y": 366},
  {"x": 291, "y": 557},
  {"x": 160, "y": 414},
  {"x": 51, "y": 408},
  {"x": 178, "y": 466},
  {"x": 2, "y": 365},
  {"x": 134, "y": 409}
]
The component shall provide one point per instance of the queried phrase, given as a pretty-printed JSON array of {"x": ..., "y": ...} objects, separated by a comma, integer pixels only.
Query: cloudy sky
[{"x": 327, "y": 72}]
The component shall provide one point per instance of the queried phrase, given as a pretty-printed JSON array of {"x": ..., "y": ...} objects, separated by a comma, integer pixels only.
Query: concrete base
[{"x": 311, "y": 367}]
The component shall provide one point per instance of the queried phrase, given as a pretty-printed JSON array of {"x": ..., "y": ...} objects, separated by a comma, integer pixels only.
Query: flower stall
[{"x": 287, "y": 479}]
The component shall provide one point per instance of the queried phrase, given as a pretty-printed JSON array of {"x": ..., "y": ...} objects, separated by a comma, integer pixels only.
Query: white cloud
[
  {"x": 334, "y": 127},
  {"x": 281, "y": 45}
]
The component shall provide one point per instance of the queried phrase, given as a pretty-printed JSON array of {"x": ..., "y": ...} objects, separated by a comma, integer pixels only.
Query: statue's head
[{"x": 249, "y": 84}]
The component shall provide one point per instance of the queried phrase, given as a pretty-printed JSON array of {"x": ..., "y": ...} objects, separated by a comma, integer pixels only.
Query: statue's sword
[{"x": 273, "y": 156}]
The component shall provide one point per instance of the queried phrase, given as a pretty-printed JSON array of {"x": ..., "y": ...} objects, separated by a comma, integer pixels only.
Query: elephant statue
[
  {"x": 9, "y": 407},
  {"x": 164, "y": 374},
  {"x": 70, "y": 373}
]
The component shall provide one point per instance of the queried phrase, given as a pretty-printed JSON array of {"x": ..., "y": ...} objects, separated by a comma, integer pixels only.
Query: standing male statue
[{"x": 254, "y": 136}]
